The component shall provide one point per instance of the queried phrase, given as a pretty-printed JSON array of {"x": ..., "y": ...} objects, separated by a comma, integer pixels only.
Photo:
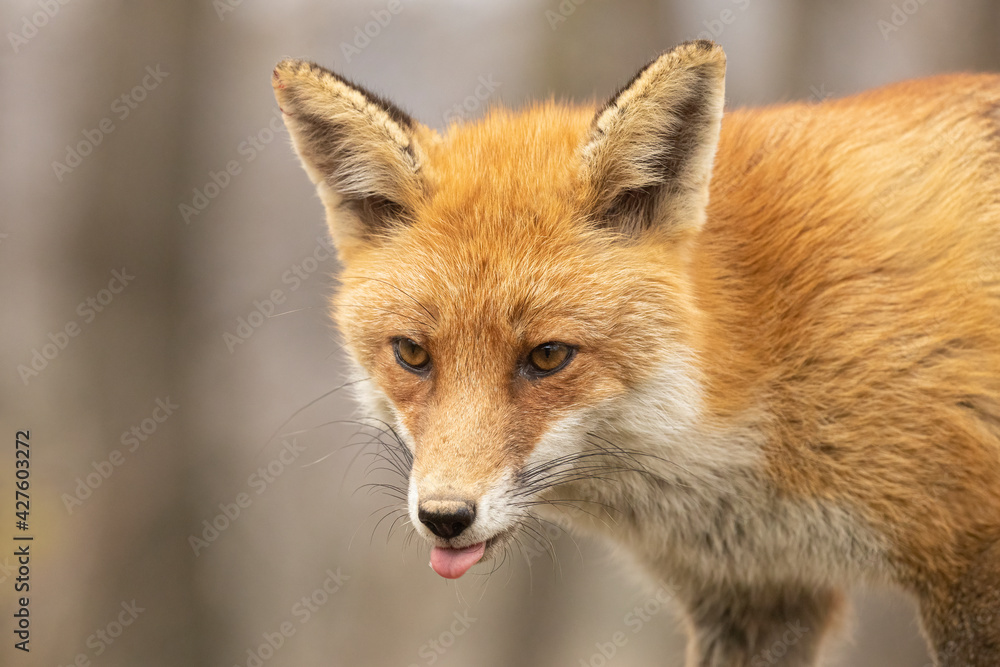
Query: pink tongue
[{"x": 453, "y": 563}]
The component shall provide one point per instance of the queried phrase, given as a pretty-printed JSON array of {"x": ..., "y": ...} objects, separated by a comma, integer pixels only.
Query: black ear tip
[
  {"x": 290, "y": 68},
  {"x": 701, "y": 50},
  {"x": 701, "y": 44},
  {"x": 291, "y": 72}
]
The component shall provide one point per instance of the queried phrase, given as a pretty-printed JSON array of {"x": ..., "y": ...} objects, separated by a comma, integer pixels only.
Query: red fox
[{"x": 759, "y": 350}]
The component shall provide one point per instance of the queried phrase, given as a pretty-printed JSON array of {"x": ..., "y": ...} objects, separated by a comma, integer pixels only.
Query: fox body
[{"x": 760, "y": 352}]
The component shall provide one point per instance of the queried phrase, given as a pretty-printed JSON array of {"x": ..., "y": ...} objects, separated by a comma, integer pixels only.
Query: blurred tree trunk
[{"x": 134, "y": 353}]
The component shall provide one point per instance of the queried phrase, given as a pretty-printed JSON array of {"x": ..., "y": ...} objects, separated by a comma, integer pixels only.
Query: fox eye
[
  {"x": 411, "y": 356},
  {"x": 548, "y": 358}
]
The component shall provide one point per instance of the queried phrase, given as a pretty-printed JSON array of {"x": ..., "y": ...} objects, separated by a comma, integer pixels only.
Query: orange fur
[
  {"x": 868, "y": 289},
  {"x": 831, "y": 319}
]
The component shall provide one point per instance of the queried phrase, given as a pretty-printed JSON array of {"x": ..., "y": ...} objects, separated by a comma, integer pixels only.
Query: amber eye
[
  {"x": 548, "y": 358},
  {"x": 411, "y": 356}
]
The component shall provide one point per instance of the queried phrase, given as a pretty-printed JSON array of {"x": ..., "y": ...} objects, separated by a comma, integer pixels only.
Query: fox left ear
[
  {"x": 647, "y": 161},
  {"x": 365, "y": 155}
]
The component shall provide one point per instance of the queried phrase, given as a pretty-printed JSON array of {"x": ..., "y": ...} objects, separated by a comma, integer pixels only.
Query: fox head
[{"x": 510, "y": 286}]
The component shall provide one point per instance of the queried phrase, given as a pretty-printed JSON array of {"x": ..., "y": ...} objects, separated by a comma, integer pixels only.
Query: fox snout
[
  {"x": 446, "y": 518},
  {"x": 452, "y": 519},
  {"x": 456, "y": 512}
]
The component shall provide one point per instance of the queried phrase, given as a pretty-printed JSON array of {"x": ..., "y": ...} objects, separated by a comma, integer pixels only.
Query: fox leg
[
  {"x": 962, "y": 620},
  {"x": 759, "y": 628}
]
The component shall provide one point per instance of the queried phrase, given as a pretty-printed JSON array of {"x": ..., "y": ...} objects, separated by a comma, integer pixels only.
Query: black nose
[{"x": 446, "y": 518}]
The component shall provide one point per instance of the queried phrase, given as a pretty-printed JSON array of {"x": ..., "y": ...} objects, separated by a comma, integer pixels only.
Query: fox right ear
[
  {"x": 362, "y": 152},
  {"x": 648, "y": 159}
]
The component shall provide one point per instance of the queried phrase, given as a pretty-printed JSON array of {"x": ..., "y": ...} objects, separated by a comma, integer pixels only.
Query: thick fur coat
[{"x": 777, "y": 334}]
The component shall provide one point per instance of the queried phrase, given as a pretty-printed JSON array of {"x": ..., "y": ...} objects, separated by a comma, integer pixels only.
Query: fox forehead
[
  {"x": 501, "y": 246},
  {"x": 510, "y": 162},
  {"x": 500, "y": 201},
  {"x": 509, "y": 291}
]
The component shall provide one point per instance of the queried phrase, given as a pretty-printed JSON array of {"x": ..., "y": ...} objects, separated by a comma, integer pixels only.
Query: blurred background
[{"x": 163, "y": 280}]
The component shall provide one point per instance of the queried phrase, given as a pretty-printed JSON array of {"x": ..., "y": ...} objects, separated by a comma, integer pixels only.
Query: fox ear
[
  {"x": 647, "y": 161},
  {"x": 361, "y": 151}
]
